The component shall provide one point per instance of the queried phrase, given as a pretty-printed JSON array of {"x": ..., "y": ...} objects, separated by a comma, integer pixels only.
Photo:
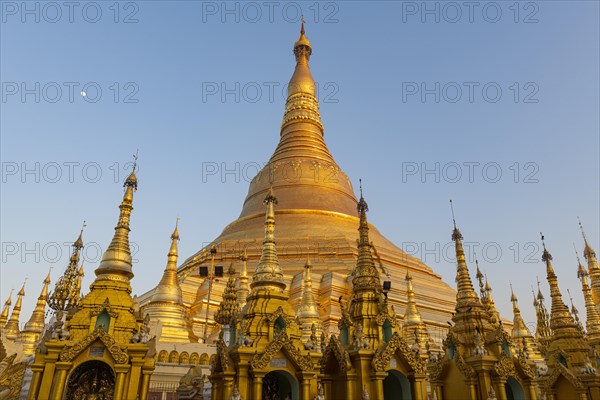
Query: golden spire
[
  {"x": 575, "y": 313},
  {"x": 243, "y": 289},
  {"x": 12, "y": 326},
  {"x": 168, "y": 289},
  {"x": 229, "y": 307},
  {"x": 308, "y": 310},
  {"x": 519, "y": 328},
  {"x": 366, "y": 275},
  {"x": 489, "y": 304},
  {"x": 542, "y": 330},
  {"x": 66, "y": 292},
  {"x": 560, "y": 317},
  {"x": 6, "y": 309},
  {"x": 77, "y": 292},
  {"x": 465, "y": 294},
  {"x": 117, "y": 257},
  {"x": 36, "y": 321},
  {"x": 268, "y": 272},
  {"x": 592, "y": 322},
  {"x": 480, "y": 276},
  {"x": 302, "y": 104},
  {"x": 593, "y": 268},
  {"x": 411, "y": 315}
]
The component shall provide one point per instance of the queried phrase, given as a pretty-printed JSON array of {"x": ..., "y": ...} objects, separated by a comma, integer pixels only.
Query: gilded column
[
  {"x": 36, "y": 379},
  {"x": 257, "y": 387},
  {"x": 121, "y": 372},
  {"x": 60, "y": 379}
]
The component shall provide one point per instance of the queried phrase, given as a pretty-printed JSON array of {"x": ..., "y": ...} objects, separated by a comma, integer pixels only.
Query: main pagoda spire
[{"x": 302, "y": 104}]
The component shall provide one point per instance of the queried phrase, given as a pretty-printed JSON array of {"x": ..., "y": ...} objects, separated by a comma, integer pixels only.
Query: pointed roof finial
[
  {"x": 132, "y": 179},
  {"x": 362, "y": 205},
  {"x": 588, "y": 251},
  {"x": 302, "y": 28},
  {"x": 456, "y": 235},
  {"x": 546, "y": 256},
  {"x": 175, "y": 234},
  {"x": 79, "y": 242}
]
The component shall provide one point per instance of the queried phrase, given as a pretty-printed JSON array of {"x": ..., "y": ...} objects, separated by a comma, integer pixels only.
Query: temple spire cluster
[{"x": 343, "y": 339}]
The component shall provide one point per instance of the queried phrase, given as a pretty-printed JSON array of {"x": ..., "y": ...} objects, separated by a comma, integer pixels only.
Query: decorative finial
[
  {"x": 175, "y": 234},
  {"x": 546, "y": 256},
  {"x": 135, "y": 158},
  {"x": 452, "y": 209},
  {"x": 79, "y": 242},
  {"x": 270, "y": 198},
  {"x": 581, "y": 227},
  {"x": 132, "y": 179},
  {"x": 362, "y": 204},
  {"x": 588, "y": 251},
  {"x": 302, "y": 28},
  {"x": 456, "y": 235}
]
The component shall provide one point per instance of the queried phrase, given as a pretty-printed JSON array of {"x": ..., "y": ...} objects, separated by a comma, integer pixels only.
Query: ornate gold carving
[
  {"x": 382, "y": 358},
  {"x": 463, "y": 367},
  {"x": 558, "y": 370},
  {"x": 288, "y": 319},
  {"x": 116, "y": 351},
  {"x": 282, "y": 341},
  {"x": 436, "y": 370},
  {"x": 337, "y": 350},
  {"x": 11, "y": 377},
  {"x": 104, "y": 306},
  {"x": 504, "y": 367}
]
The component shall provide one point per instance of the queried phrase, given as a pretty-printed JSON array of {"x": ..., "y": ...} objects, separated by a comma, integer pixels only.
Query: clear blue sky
[{"x": 371, "y": 59}]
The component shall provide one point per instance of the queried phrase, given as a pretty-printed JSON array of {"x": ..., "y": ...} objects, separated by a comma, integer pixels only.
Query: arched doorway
[
  {"x": 91, "y": 380},
  {"x": 280, "y": 385},
  {"x": 514, "y": 390},
  {"x": 396, "y": 386}
]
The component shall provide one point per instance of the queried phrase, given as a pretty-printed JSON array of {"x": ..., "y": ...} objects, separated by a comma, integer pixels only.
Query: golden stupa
[{"x": 316, "y": 219}]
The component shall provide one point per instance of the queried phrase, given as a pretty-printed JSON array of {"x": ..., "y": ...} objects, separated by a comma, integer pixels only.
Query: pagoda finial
[
  {"x": 411, "y": 315},
  {"x": 34, "y": 327},
  {"x": 6, "y": 309},
  {"x": 66, "y": 289},
  {"x": 229, "y": 307},
  {"x": 575, "y": 312},
  {"x": 243, "y": 289},
  {"x": 465, "y": 294},
  {"x": 592, "y": 321},
  {"x": 79, "y": 242},
  {"x": 588, "y": 252},
  {"x": 302, "y": 105},
  {"x": 308, "y": 312},
  {"x": 560, "y": 317},
  {"x": 12, "y": 326},
  {"x": 268, "y": 273},
  {"x": 168, "y": 289},
  {"x": 366, "y": 275},
  {"x": 117, "y": 257}
]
